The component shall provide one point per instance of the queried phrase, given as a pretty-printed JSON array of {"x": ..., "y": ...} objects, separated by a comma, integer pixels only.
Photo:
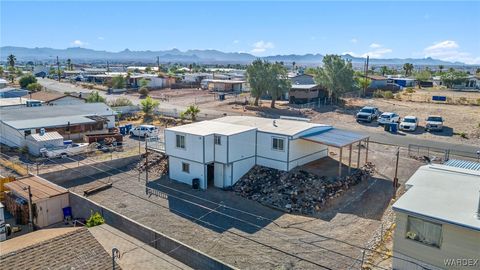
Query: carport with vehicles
[{"x": 341, "y": 139}]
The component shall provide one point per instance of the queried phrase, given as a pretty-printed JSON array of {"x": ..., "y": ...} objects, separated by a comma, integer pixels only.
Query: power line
[{"x": 247, "y": 222}]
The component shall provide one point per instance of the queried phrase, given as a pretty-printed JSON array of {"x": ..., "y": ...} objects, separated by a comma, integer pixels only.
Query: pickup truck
[
  {"x": 367, "y": 114},
  {"x": 68, "y": 150},
  {"x": 434, "y": 123},
  {"x": 388, "y": 117}
]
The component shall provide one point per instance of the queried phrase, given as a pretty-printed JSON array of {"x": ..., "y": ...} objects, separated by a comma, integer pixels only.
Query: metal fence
[{"x": 438, "y": 155}]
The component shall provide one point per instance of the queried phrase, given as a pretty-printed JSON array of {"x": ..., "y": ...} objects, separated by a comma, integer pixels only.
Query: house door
[
  {"x": 210, "y": 174},
  {"x": 218, "y": 175}
]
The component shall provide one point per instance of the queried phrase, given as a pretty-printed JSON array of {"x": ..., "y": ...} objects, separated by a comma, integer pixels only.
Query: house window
[
  {"x": 218, "y": 140},
  {"x": 423, "y": 231},
  {"x": 278, "y": 144},
  {"x": 180, "y": 141},
  {"x": 185, "y": 167}
]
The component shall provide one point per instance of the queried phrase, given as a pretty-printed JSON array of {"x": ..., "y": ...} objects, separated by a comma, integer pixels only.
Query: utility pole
[
  {"x": 30, "y": 212},
  {"x": 158, "y": 64},
  {"x": 395, "y": 178},
  {"x": 115, "y": 254},
  {"x": 58, "y": 69},
  {"x": 366, "y": 74},
  {"x": 146, "y": 165}
]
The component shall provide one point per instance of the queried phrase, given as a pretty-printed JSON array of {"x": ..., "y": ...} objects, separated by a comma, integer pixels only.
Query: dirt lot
[{"x": 248, "y": 235}]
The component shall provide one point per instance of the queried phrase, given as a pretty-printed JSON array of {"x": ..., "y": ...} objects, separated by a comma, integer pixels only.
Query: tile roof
[{"x": 74, "y": 250}]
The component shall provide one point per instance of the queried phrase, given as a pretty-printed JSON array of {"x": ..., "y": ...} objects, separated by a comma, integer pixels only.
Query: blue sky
[{"x": 381, "y": 29}]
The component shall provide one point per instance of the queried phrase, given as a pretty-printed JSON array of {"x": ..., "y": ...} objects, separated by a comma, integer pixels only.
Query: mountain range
[{"x": 79, "y": 54}]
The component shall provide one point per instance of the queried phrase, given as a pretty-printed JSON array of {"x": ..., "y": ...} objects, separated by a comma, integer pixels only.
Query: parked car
[
  {"x": 434, "y": 123},
  {"x": 388, "y": 117},
  {"x": 409, "y": 123},
  {"x": 66, "y": 151},
  {"x": 144, "y": 131},
  {"x": 367, "y": 114}
]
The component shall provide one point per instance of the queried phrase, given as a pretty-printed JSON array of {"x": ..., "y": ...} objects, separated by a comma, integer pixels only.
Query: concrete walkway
[{"x": 134, "y": 254}]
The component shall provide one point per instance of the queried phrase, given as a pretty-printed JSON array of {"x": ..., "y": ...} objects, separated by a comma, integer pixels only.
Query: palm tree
[
  {"x": 11, "y": 60},
  {"x": 408, "y": 67},
  {"x": 440, "y": 67},
  {"x": 193, "y": 111},
  {"x": 384, "y": 70},
  {"x": 69, "y": 64},
  {"x": 293, "y": 66}
]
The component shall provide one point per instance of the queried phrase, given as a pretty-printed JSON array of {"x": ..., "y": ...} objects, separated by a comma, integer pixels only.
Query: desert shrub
[
  {"x": 388, "y": 94},
  {"x": 462, "y": 100},
  {"x": 378, "y": 94},
  {"x": 94, "y": 220},
  {"x": 398, "y": 96},
  {"x": 410, "y": 90},
  {"x": 143, "y": 91}
]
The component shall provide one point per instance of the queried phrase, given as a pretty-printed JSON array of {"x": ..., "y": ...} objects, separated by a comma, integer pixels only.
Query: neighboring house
[
  {"x": 305, "y": 90},
  {"x": 438, "y": 219},
  {"x": 402, "y": 82},
  {"x": 56, "y": 98},
  {"x": 378, "y": 82},
  {"x": 471, "y": 83},
  {"x": 222, "y": 85},
  {"x": 48, "y": 200},
  {"x": 71, "y": 121},
  {"x": 19, "y": 102},
  {"x": 59, "y": 248},
  {"x": 3, "y": 83},
  {"x": 9, "y": 92},
  {"x": 219, "y": 152}
]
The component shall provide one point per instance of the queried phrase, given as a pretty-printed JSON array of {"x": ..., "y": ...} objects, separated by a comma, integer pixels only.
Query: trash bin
[
  {"x": 221, "y": 97},
  {"x": 393, "y": 127},
  {"x": 123, "y": 130},
  {"x": 386, "y": 127},
  {"x": 195, "y": 183},
  {"x": 128, "y": 127}
]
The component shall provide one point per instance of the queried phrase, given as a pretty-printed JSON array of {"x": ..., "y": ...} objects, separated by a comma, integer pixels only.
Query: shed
[
  {"x": 48, "y": 199},
  {"x": 37, "y": 141}
]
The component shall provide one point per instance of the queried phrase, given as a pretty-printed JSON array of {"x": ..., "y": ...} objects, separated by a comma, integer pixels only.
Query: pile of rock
[
  {"x": 157, "y": 164},
  {"x": 298, "y": 191}
]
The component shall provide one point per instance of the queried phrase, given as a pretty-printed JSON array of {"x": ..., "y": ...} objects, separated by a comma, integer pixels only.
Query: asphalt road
[{"x": 384, "y": 138}]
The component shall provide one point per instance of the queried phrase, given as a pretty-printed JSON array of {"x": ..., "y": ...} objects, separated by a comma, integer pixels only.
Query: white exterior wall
[
  {"x": 456, "y": 243},
  {"x": 241, "y": 146},
  {"x": 156, "y": 82},
  {"x": 50, "y": 211},
  {"x": 267, "y": 156},
  {"x": 209, "y": 149},
  {"x": 11, "y": 136},
  {"x": 221, "y": 150},
  {"x": 197, "y": 170},
  {"x": 302, "y": 152},
  {"x": 193, "y": 146},
  {"x": 240, "y": 168}
]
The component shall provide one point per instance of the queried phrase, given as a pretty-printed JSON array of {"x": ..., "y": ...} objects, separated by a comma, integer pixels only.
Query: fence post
[{"x": 363, "y": 257}]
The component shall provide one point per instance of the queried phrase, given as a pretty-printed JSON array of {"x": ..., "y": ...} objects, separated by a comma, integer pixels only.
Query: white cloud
[
  {"x": 236, "y": 41},
  {"x": 378, "y": 51},
  {"x": 79, "y": 43},
  {"x": 449, "y": 50},
  {"x": 354, "y": 40},
  {"x": 101, "y": 38},
  {"x": 262, "y": 46}
]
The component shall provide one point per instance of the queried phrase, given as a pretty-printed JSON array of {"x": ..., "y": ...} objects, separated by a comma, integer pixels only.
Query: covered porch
[{"x": 342, "y": 140}]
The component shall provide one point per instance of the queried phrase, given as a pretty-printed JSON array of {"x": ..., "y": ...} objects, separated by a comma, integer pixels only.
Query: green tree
[
  {"x": 118, "y": 82},
  {"x": 26, "y": 80},
  {"x": 11, "y": 59},
  {"x": 408, "y": 67},
  {"x": 192, "y": 111},
  {"x": 257, "y": 77},
  {"x": 95, "y": 97},
  {"x": 143, "y": 82},
  {"x": 280, "y": 84},
  {"x": 452, "y": 78},
  {"x": 383, "y": 70},
  {"x": 362, "y": 82},
  {"x": 422, "y": 76},
  {"x": 69, "y": 64},
  {"x": 34, "y": 87},
  {"x": 440, "y": 68},
  {"x": 148, "y": 69},
  {"x": 336, "y": 75},
  {"x": 1, "y": 71},
  {"x": 149, "y": 105}
]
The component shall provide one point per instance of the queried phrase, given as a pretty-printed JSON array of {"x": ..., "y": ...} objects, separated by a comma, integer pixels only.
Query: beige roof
[
  {"x": 48, "y": 136},
  {"x": 211, "y": 127},
  {"x": 41, "y": 189},
  {"x": 46, "y": 96},
  {"x": 277, "y": 126}
]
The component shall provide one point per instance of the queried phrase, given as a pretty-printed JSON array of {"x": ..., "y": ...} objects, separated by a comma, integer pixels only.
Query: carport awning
[{"x": 336, "y": 137}]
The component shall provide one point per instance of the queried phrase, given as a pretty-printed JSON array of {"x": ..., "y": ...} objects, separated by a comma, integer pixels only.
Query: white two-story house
[{"x": 219, "y": 152}]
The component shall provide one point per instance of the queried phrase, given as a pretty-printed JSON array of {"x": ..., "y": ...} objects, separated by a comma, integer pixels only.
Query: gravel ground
[{"x": 276, "y": 241}]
